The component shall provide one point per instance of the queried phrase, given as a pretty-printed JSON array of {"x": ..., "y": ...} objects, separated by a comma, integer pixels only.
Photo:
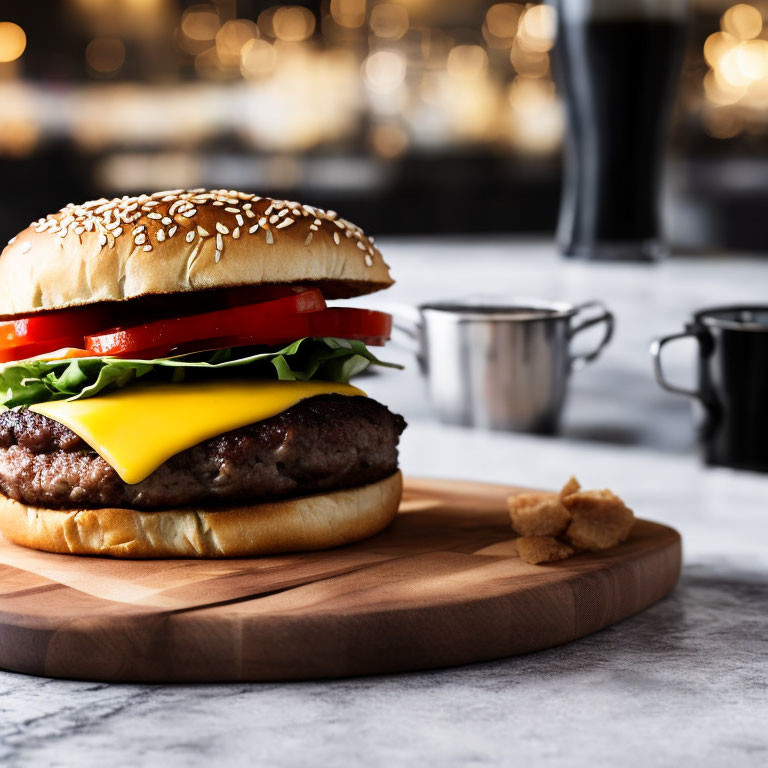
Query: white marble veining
[{"x": 684, "y": 683}]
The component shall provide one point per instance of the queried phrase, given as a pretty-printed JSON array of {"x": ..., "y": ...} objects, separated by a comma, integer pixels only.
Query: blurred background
[{"x": 410, "y": 116}]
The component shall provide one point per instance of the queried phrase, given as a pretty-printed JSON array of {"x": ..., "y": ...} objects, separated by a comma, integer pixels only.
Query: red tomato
[
  {"x": 366, "y": 325},
  {"x": 202, "y": 331},
  {"x": 39, "y": 348},
  {"x": 255, "y": 325},
  {"x": 35, "y": 335}
]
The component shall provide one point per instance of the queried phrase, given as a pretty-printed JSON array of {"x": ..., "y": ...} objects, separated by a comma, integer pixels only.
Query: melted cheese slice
[{"x": 136, "y": 430}]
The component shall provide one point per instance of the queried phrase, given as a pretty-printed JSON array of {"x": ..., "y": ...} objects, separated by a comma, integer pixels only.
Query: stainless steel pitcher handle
[
  {"x": 406, "y": 329},
  {"x": 604, "y": 316},
  {"x": 656, "y": 346}
]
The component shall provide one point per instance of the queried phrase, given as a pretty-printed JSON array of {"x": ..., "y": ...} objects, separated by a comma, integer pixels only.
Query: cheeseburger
[{"x": 173, "y": 383}]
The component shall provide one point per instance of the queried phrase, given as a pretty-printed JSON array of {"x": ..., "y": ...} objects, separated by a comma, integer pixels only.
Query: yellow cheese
[{"x": 137, "y": 429}]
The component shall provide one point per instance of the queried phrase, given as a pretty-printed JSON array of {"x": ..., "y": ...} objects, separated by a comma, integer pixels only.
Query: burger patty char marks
[{"x": 321, "y": 444}]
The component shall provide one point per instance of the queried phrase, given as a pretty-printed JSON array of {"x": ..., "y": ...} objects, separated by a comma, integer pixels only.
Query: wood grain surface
[{"x": 441, "y": 586}]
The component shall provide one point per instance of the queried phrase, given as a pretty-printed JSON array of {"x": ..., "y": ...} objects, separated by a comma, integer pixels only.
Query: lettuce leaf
[{"x": 26, "y": 382}]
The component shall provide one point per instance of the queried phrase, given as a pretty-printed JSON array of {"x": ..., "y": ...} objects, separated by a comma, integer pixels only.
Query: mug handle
[
  {"x": 406, "y": 329},
  {"x": 656, "y": 346},
  {"x": 605, "y": 316}
]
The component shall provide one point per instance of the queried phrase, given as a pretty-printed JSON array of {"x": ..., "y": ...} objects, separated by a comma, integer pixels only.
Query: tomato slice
[
  {"x": 25, "y": 351},
  {"x": 267, "y": 324},
  {"x": 202, "y": 331},
  {"x": 366, "y": 325},
  {"x": 57, "y": 329}
]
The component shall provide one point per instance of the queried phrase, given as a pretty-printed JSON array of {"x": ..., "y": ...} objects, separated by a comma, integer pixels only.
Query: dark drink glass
[{"x": 617, "y": 67}]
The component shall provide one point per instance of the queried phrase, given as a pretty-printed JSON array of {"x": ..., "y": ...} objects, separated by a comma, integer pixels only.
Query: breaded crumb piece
[
  {"x": 553, "y": 526},
  {"x": 542, "y": 549},
  {"x": 572, "y": 486},
  {"x": 538, "y": 514},
  {"x": 600, "y": 520}
]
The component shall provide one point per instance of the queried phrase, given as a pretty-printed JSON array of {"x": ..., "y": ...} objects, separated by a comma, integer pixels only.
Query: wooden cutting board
[{"x": 441, "y": 586}]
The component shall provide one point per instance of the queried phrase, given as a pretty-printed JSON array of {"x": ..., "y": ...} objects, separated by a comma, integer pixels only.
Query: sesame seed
[
  {"x": 314, "y": 227},
  {"x": 270, "y": 237},
  {"x": 247, "y": 206},
  {"x": 62, "y": 232},
  {"x": 140, "y": 239},
  {"x": 147, "y": 247},
  {"x": 368, "y": 260},
  {"x": 217, "y": 256},
  {"x": 167, "y": 220},
  {"x": 190, "y": 236},
  {"x": 202, "y": 232},
  {"x": 172, "y": 231},
  {"x": 308, "y": 239},
  {"x": 154, "y": 215},
  {"x": 273, "y": 219},
  {"x": 232, "y": 210},
  {"x": 236, "y": 232},
  {"x": 239, "y": 220},
  {"x": 284, "y": 223},
  {"x": 221, "y": 228},
  {"x": 360, "y": 246},
  {"x": 190, "y": 213},
  {"x": 253, "y": 229},
  {"x": 219, "y": 242},
  {"x": 263, "y": 221},
  {"x": 284, "y": 212},
  {"x": 218, "y": 202},
  {"x": 336, "y": 238},
  {"x": 138, "y": 229},
  {"x": 102, "y": 239},
  {"x": 117, "y": 232},
  {"x": 250, "y": 214},
  {"x": 26, "y": 248},
  {"x": 160, "y": 235}
]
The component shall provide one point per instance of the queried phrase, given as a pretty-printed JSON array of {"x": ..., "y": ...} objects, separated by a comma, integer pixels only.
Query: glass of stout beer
[{"x": 617, "y": 66}]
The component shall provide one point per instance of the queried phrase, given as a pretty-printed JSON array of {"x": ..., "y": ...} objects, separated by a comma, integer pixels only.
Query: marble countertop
[{"x": 685, "y": 682}]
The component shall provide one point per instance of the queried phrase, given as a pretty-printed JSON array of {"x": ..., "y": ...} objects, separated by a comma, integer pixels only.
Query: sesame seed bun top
[{"x": 182, "y": 241}]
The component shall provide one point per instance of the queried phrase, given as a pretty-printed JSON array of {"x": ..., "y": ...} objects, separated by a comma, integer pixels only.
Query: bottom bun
[{"x": 289, "y": 525}]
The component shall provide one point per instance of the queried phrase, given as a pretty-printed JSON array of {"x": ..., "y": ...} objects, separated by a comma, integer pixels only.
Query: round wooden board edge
[{"x": 29, "y": 639}]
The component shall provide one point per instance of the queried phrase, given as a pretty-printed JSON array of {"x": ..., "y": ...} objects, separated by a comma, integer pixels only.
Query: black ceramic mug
[{"x": 732, "y": 383}]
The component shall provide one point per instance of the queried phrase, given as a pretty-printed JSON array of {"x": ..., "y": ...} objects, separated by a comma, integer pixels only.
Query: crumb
[
  {"x": 600, "y": 520},
  {"x": 572, "y": 486},
  {"x": 542, "y": 549},
  {"x": 538, "y": 514}
]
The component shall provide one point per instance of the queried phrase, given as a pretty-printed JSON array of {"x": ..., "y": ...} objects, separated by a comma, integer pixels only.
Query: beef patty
[{"x": 320, "y": 444}]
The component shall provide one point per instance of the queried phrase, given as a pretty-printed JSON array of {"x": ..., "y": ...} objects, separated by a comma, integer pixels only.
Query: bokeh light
[
  {"x": 232, "y": 38},
  {"x": 743, "y": 21},
  {"x": 389, "y": 21},
  {"x": 384, "y": 71},
  {"x": 466, "y": 62},
  {"x": 293, "y": 23},
  {"x": 348, "y": 13},
  {"x": 13, "y": 41},
  {"x": 502, "y": 19},
  {"x": 536, "y": 31},
  {"x": 105, "y": 55},
  {"x": 736, "y": 85},
  {"x": 200, "y": 23},
  {"x": 257, "y": 59}
]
